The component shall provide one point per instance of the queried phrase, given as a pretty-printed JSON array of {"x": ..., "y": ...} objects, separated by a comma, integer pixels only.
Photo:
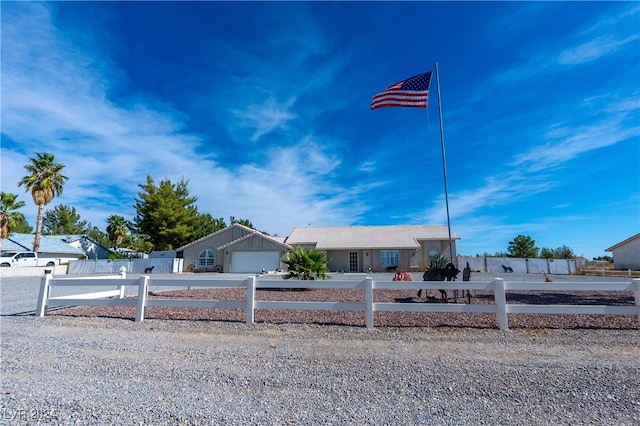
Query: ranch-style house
[
  {"x": 376, "y": 248},
  {"x": 239, "y": 249}
]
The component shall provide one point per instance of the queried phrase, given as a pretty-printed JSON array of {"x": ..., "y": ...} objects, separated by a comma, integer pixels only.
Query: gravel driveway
[{"x": 97, "y": 370}]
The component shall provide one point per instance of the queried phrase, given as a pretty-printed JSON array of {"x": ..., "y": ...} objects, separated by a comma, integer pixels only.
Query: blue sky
[{"x": 265, "y": 109}]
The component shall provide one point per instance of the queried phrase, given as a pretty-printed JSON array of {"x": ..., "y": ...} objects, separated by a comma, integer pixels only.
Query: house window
[
  {"x": 389, "y": 258},
  {"x": 206, "y": 258}
]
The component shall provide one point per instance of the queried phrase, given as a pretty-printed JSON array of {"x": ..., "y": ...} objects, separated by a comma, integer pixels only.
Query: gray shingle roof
[
  {"x": 246, "y": 237},
  {"x": 374, "y": 237},
  {"x": 251, "y": 232},
  {"x": 621, "y": 243}
]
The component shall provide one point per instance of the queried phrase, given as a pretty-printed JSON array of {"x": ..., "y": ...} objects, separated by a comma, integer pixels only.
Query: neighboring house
[
  {"x": 360, "y": 248},
  {"x": 130, "y": 253},
  {"x": 164, "y": 254},
  {"x": 91, "y": 248},
  {"x": 51, "y": 246},
  {"x": 236, "y": 249},
  {"x": 626, "y": 254}
]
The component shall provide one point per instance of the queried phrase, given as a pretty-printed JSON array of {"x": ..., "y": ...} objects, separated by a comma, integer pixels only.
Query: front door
[{"x": 353, "y": 261}]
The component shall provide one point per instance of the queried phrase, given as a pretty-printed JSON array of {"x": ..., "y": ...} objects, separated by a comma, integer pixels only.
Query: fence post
[
  {"x": 41, "y": 309},
  {"x": 368, "y": 302},
  {"x": 143, "y": 290},
  {"x": 251, "y": 299},
  {"x": 123, "y": 275},
  {"x": 500, "y": 300},
  {"x": 636, "y": 292}
]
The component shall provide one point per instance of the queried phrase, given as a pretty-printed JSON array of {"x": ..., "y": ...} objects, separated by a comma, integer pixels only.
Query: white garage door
[{"x": 253, "y": 262}]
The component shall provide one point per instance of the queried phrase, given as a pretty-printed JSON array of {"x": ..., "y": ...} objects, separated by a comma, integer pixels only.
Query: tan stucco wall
[
  {"x": 223, "y": 257},
  {"x": 627, "y": 256},
  {"x": 338, "y": 260},
  {"x": 370, "y": 258},
  {"x": 441, "y": 247}
]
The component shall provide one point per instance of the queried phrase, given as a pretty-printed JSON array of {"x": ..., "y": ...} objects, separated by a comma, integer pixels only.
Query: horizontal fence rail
[{"x": 498, "y": 286}]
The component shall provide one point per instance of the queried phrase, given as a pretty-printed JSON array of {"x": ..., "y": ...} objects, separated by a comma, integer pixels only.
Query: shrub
[{"x": 306, "y": 264}]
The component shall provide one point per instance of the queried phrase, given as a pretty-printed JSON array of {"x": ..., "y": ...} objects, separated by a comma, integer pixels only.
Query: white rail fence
[{"x": 498, "y": 286}]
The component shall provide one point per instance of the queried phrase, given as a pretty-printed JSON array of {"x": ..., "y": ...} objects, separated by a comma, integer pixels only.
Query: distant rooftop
[{"x": 48, "y": 244}]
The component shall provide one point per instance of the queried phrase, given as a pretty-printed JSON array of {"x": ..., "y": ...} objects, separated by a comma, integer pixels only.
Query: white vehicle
[{"x": 25, "y": 258}]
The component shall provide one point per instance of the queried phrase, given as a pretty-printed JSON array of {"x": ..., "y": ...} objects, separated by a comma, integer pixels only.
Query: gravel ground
[{"x": 66, "y": 369}]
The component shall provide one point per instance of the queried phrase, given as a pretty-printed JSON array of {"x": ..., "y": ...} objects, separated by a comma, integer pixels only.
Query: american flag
[{"x": 411, "y": 93}]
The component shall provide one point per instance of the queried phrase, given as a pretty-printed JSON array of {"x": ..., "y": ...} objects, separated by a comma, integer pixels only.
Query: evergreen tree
[
  {"x": 97, "y": 235},
  {"x": 165, "y": 214},
  {"x": 138, "y": 243},
  {"x": 245, "y": 222},
  {"x": 523, "y": 246},
  {"x": 206, "y": 224},
  {"x": 19, "y": 225},
  {"x": 563, "y": 252},
  {"x": 546, "y": 253},
  {"x": 63, "y": 220}
]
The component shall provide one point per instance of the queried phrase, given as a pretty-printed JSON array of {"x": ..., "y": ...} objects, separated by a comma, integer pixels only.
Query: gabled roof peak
[
  {"x": 233, "y": 225},
  {"x": 615, "y": 246}
]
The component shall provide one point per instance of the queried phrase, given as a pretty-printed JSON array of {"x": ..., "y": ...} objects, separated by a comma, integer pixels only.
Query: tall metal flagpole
[{"x": 444, "y": 165}]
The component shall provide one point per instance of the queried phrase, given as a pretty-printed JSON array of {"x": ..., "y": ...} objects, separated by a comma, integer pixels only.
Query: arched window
[
  {"x": 433, "y": 253},
  {"x": 206, "y": 258}
]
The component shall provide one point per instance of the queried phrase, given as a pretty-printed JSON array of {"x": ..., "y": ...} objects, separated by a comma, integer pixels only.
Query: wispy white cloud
[
  {"x": 288, "y": 189},
  {"x": 594, "y": 49},
  {"x": 564, "y": 143},
  {"x": 367, "y": 166},
  {"x": 266, "y": 117},
  {"x": 273, "y": 115},
  {"x": 627, "y": 16},
  {"x": 496, "y": 191},
  {"x": 612, "y": 119},
  {"x": 281, "y": 71},
  {"x": 586, "y": 45},
  {"x": 57, "y": 101},
  {"x": 533, "y": 172}
]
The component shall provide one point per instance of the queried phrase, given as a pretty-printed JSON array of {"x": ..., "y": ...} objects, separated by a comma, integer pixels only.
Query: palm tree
[
  {"x": 8, "y": 213},
  {"x": 116, "y": 229},
  {"x": 309, "y": 264},
  {"x": 45, "y": 181}
]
